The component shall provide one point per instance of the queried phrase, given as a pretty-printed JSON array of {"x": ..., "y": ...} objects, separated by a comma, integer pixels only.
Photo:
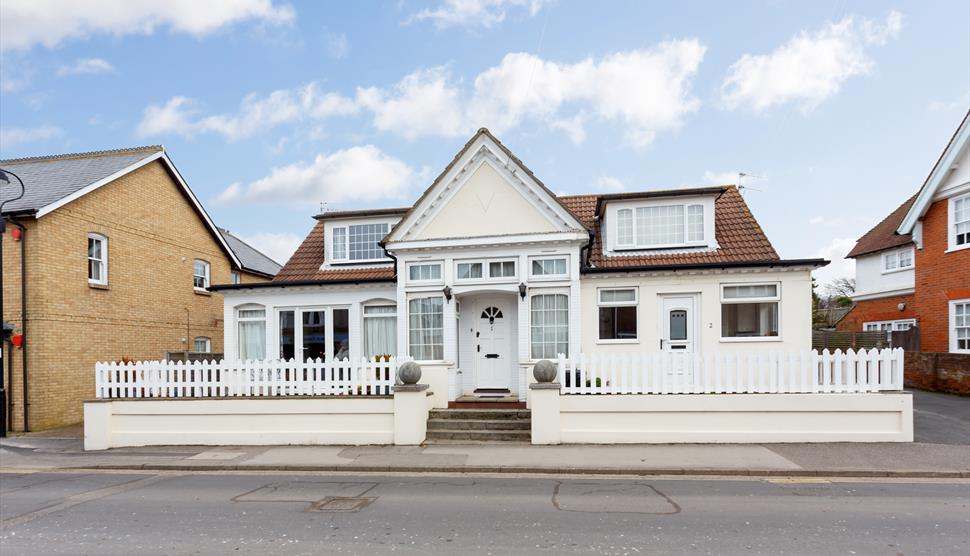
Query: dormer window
[
  {"x": 660, "y": 224},
  {"x": 357, "y": 242}
]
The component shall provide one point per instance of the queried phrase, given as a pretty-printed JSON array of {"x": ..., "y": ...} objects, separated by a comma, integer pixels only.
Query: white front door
[
  {"x": 677, "y": 317},
  {"x": 493, "y": 344}
]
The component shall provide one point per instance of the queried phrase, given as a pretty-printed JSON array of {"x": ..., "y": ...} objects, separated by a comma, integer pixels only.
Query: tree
[{"x": 840, "y": 291}]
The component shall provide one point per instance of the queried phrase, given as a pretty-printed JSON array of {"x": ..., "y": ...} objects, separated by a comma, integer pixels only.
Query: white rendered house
[{"x": 489, "y": 272}]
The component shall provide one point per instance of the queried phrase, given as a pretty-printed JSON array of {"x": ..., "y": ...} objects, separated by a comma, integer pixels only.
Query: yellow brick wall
[{"x": 148, "y": 307}]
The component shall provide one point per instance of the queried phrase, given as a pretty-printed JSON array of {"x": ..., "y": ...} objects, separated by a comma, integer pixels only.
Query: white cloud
[
  {"x": 337, "y": 46},
  {"x": 86, "y": 66},
  {"x": 961, "y": 104},
  {"x": 474, "y": 13},
  {"x": 277, "y": 246},
  {"x": 358, "y": 174},
  {"x": 12, "y": 136},
  {"x": 646, "y": 91},
  {"x": 179, "y": 115},
  {"x": 810, "y": 67},
  {"x": 610, "y": 184},
  {"x": 26, "y": 23},
  {"x": 840, "y": 267},
  {"x": 720, "y": 178}
]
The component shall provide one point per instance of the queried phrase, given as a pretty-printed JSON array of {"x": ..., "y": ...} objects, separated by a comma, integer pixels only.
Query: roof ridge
[{"x": 89, "y": 154}]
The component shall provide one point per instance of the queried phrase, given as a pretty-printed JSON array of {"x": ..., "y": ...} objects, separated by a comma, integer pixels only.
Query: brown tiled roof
[
  {"x": 739, "y": 237},
  {"x": 883, "y": 235},
  {"x": 305, "y": 264}
]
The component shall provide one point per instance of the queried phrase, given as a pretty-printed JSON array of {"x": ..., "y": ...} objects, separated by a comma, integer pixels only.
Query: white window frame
[
  {"x": 515, "y": 269},
  {"x": 481, "y": 263},
  {"x": 550, "y": 291},
  {"x": 207, "y": 277},
  {"x": 235, "y": 277},
  {"x": 741, "y": 300},
  {"x": 364, "y": 316},
  {"x": 103, "y": 261},
  {"x": 344, "y": 248},
  {"x": 895, "y": 257},
  {"x": 635, "y": 303},
  {"x": 407, "y": 335},
  {"x": 952, "y": 328},
  {"x": 240, "y": 319},
  {"x": 441, "y": 272},
  {"x": 208, "y": 344},
  {"x": 951, "y": 223},
  {"x": 614, "y": 236},
  {"x": 562, "y": 276}
]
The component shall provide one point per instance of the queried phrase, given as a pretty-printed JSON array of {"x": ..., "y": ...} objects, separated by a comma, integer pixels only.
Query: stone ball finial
[
  {"x": 409, "y": 372},
  {"x": 544, "y": 371}
]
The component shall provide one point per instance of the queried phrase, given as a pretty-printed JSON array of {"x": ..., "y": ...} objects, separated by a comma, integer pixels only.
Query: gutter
[
  {"x": 297, "y": 283},
  {"x": 780, "y": 263}
]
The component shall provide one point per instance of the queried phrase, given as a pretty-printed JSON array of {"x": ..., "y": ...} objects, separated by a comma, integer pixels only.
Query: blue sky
[{"x": 269, "y": 107}]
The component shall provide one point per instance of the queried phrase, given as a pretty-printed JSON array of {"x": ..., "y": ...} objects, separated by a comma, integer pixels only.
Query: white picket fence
[
  {"x": 714, "y": 373},
  {"x": 210, "y": 379}
]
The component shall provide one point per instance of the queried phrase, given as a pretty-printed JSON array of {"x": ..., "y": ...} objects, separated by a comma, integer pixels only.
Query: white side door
[{"x": 492, "y": 344}]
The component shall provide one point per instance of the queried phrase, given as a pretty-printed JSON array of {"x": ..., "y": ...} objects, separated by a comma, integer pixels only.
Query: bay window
[
  {"x": 426, "y": 328},
  {"x": 550, "y": 325},
  {"x": 617, "y": 314},
  {"x": 750, "y": 311},
  {"x": 380, "y": 330},
  {"x": 251, "y": 331}
]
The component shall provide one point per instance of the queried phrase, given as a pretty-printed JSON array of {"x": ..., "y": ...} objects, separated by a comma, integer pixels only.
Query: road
[{"x": 223, "y": 513}]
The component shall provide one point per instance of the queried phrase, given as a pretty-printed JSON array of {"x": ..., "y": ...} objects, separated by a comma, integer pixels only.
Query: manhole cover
[{"x": 342, "y": 504}]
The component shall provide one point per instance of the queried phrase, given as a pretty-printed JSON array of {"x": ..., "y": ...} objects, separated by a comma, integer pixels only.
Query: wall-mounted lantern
[{"x": 522, "y": 290}]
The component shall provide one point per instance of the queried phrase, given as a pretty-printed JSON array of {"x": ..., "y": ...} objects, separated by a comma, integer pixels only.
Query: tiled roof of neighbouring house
[
  {"x": 740, "y": 239},
  {"x": 883, "y": 235},
  {"x": 48, "y": 179},
  {"x": 251, "y": 259}
]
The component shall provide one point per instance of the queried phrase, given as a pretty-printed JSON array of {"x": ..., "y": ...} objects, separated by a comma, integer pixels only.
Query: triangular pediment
[{"x": 484, "y": 192}]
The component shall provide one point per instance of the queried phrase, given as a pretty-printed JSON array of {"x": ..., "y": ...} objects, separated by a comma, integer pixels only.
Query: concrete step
[
  {"x": 505, "y": 436},
  {"x": 480, "y": 424},
  {"x": 485, "y": 414}
]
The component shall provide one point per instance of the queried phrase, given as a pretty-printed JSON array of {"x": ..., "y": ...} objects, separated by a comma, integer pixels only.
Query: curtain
[
  {"x": 380, "y": 330},
  {"x": 252, "y": 340}
]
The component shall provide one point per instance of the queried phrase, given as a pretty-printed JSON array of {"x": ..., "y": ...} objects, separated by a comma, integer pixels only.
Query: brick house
[
  {"x": 913, "y": 268},
  {"x": 119, "y": 254}
]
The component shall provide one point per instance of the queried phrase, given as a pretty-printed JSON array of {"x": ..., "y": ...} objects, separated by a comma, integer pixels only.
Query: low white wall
[
  {"x": 436, "y": 377},
  {"x": 238, "y": 421},
  {"x": 723, "y": 418}
]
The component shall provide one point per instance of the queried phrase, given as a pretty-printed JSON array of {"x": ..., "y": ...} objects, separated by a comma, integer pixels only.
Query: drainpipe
[{"x": 23, "y": 316}]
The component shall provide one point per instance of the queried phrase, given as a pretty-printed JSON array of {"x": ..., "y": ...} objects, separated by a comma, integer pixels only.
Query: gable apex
[{"x": 481, "y": 151}]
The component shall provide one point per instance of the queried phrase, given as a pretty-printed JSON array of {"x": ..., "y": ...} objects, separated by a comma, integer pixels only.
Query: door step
[
  {"x": 492, "y": 393},
  {"x": 479, "y": 425}
]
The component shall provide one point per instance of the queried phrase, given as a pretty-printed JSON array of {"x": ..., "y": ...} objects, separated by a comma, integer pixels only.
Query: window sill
[
  {"x": 954, "y": 250},
  {"x": 98, "y": 286},
  {"x": 360, "y": 262},
  {"x": 617, "y": 342},
  {"x": 895, "y": 270},
  {"x": 202, "y": 292},
  {"x": 751, "y": 339}
]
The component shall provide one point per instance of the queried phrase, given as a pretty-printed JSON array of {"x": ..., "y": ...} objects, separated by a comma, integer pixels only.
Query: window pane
[
  {"x": 94, "y": 270},
  {"x": 339, "y": 244},
  {"x": 201, "y": 344},
  {"x": 905, "y": 259},
  {"x": 618, "y": 323},
  {"x": 341, "y": 334},
  {"x": 287, "y": 335},
  {"x": 252, "y": 339},
  {"x": 380, "y": 330},
  {"x": 740, "y": 292},
  {"x": 678, "y": 324},
  {"x": 501, "y": 269},
  {"x": 364, "y": 240},
  {"x": 663, "y": 225},
  {"x": 617, "y": 296},
  {"x": 550, "y": 326},
  {"x": 749, "y": 320},
  {"x": 425, "y": 328},
  {"x": 252, "y": 313},
  {"x": 695, "y": 223},
  {"x": 94, "y": 248},
  {"x": 314, "y": 335},
  {"x": 549, "y": 267},
  {"x": 624, "y": 227},
  {"x": 468, "y": 271}
]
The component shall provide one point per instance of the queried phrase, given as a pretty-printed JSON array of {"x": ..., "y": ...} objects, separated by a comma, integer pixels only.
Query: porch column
[
  {"x": 524, "y": 323},
  {"x": 450, "y": 332}
]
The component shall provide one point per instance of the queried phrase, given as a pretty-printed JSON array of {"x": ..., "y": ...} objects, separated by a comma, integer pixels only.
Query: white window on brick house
[
  {"x": 897, "y": 260},
  {"x": 97, "y": 259},
  {"x": 202, "y": 344},
  {"x": 959, "y": 228},
  {"x": 200, "y": 274},
  {"x": 235, "y": 277},
  {"x": 960, "y": 326}
]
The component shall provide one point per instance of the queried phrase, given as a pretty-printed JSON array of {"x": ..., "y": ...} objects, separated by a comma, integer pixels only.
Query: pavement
[
  {"x": 942, "y": 450},
  {"x": 170, "y": 512}
]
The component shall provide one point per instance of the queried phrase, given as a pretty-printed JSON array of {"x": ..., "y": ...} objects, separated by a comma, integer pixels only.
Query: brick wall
[
  {"x": 939, "y": 372},
  {"x": 148, "y": 307},
  {"x": 940, "y": 277},
  {"x": 886, "y": 308}
]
